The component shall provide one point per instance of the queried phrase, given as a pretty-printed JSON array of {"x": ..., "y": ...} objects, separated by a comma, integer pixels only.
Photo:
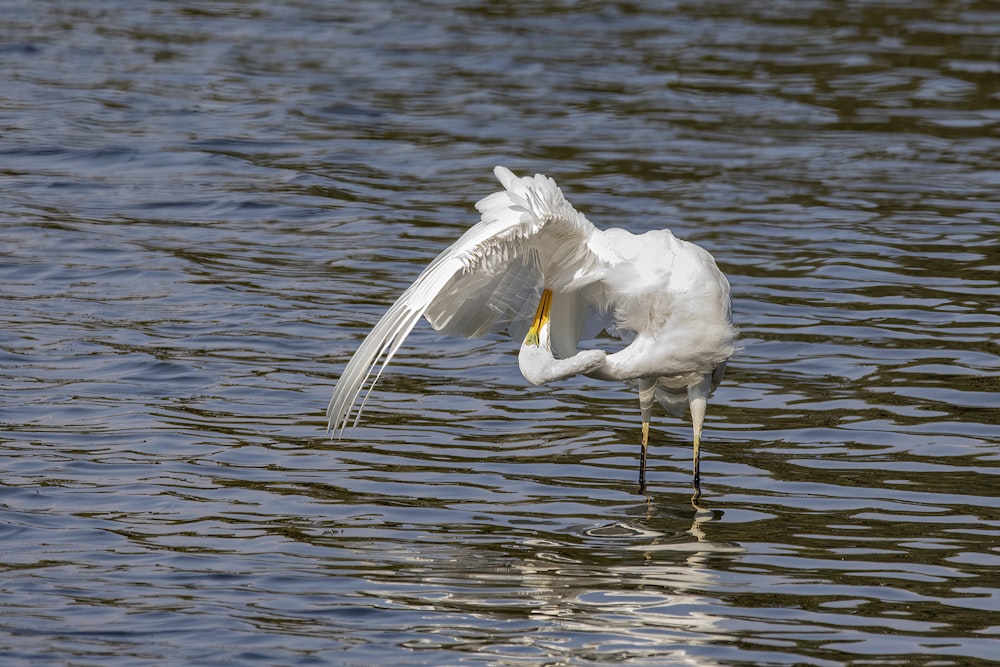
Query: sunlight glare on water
[{"x": 207, "y": 208}]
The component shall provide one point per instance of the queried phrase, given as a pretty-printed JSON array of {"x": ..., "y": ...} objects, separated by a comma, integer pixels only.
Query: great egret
[{"x": 664, "y": 297}]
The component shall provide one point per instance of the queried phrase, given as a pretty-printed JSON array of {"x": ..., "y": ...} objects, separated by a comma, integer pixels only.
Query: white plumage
[{"x": 534, "y": 264}]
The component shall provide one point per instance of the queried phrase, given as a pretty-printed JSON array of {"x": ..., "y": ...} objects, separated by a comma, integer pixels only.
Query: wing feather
[{"x": 489, "y": 279}]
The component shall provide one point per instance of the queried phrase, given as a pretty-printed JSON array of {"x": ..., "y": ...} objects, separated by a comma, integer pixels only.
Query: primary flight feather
[{"x": 537, "y": 268}]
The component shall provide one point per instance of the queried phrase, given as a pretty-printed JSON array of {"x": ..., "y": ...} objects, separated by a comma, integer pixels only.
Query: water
[{"x": 206, "y": 208}]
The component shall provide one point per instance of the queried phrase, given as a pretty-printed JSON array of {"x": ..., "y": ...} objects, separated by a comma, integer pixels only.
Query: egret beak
[{"x": 541, "y": 319}]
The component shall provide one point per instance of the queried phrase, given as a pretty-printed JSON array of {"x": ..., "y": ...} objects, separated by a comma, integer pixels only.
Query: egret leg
[
  {"x": 642, "y": 456},
  {"x": 697, "y": 416},
  {"x": 647, "y": 394},
  {"x": 697, "y": 457},
  {"x": 698, "y": 401}
]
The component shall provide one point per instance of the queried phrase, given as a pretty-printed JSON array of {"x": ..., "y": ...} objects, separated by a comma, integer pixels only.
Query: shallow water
[{"x": 205, "y": 210}]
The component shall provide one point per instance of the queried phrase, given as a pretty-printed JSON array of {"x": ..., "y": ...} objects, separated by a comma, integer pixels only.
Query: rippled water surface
[{"x": 206, "y": 207}]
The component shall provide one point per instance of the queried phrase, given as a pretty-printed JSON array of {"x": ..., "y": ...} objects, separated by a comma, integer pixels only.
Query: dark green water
[{"x": 205, "y": 208}]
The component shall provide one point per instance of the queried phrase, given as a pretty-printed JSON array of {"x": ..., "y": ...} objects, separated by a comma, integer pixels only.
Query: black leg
[
  {"x": 642, "y": 469},
  {"x": 642, "y": 455},
  {"x": 696, "y": 478}
]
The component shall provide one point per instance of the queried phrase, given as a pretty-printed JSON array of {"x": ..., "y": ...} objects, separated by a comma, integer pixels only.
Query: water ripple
[{"x": 206, "y": 208}]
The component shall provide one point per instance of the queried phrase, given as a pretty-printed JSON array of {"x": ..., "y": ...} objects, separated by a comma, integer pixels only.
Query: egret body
[{"x": 534, "y": 262}]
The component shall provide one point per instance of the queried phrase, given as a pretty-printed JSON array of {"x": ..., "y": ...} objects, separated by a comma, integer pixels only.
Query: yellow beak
[{"x": 541, "y": 318}]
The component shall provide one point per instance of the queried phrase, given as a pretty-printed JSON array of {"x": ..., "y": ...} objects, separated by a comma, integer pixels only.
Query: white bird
[{"x": 664, "y": 297}]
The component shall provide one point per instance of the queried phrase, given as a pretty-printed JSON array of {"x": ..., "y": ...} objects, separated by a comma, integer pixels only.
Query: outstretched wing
[{"x": 489, "y": 279}]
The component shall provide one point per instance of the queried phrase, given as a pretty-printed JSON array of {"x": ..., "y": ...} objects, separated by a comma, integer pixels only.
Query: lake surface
[{"x": 206, "y": 207}]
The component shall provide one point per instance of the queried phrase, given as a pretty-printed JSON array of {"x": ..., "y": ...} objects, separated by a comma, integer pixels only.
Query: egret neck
[{"x": 537, "y": 363}]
